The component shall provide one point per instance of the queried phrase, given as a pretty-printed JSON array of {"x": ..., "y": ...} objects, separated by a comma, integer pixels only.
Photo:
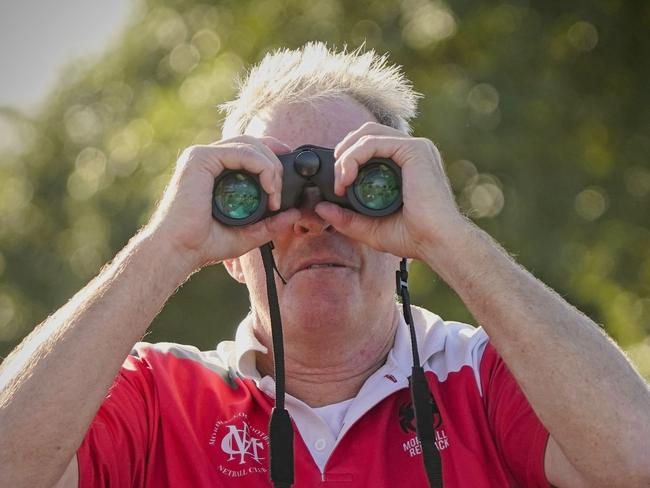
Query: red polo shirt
[{"x": 180, "y": 417}]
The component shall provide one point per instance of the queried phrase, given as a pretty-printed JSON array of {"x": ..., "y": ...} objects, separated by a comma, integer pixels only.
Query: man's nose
[{"x": 310, "y": 223}]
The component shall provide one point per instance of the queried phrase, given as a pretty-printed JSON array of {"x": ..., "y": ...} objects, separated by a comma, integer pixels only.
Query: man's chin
[
  {"x": 321, "y": 310},
  {"x": 321, "y": 284}
]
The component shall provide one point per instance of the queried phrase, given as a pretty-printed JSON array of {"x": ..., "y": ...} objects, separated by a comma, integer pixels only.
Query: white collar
[
  {"x": 246, "y": 345},
  {"x": 389, "y": 378}
]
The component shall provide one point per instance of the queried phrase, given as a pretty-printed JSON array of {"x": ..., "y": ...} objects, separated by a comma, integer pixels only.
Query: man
[{"x": 568, "y": 409}]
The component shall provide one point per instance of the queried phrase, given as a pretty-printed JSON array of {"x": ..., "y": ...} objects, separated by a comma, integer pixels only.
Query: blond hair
[{"x": 314, "y": 71}]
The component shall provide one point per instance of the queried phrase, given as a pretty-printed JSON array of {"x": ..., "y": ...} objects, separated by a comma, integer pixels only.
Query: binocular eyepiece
[{"x": 238, "y": 198}]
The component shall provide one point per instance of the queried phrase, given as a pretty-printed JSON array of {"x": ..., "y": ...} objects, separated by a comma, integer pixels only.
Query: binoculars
[{"x": 238, "y": 198}]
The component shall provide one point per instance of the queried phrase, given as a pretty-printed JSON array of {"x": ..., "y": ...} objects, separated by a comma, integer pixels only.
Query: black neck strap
[
  {"x": 424, "y": 405},
  {"x": 280, "y": 427}
]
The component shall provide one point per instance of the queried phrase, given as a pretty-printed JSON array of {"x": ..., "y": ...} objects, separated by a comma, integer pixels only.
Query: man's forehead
[{"x": 324, "y": 122}]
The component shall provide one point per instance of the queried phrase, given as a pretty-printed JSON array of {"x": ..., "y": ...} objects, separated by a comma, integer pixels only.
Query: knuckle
[
  {"x": 436, "y": 153},
  {"x": 237, "y": 139},
  {"x": 266, "y": 178},
  {"x": 366, "y": 141},
  {"x": 427, "y": 143},
  {"x": 190, "y": 152},
  {"x": 370, "y": 125},
  {"x": 349, "y": 163},
  {"x": 245, "y": 151},
  {"x": 365, "y": 138},
  {"x": 189, "y": 155}
]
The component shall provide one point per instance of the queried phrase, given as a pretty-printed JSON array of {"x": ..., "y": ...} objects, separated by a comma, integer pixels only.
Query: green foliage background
[{"x": 541, "y": 111}]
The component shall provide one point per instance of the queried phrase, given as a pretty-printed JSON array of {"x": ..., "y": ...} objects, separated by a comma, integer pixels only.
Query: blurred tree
[{"x": 541, "y": 110}]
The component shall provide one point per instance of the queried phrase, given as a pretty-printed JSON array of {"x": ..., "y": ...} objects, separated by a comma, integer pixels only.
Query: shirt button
[{"x": 320, "y": 444}]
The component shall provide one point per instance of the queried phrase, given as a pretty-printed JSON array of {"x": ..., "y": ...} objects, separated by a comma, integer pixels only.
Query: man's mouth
[{"x": 324, "y": 265}]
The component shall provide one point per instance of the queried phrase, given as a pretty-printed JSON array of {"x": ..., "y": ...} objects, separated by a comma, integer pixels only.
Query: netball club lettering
[
  {"x": 241, "y": 448},
  {"x": 413, "y": 446}
]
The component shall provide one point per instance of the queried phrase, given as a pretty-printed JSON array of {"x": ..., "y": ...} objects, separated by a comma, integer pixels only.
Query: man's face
[{"x": 359, "y": 288}]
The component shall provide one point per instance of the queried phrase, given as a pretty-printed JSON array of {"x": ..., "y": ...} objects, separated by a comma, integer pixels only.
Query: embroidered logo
[
  {"x": 407, "y": 417},
  {"x": 240, "y": 446},
  {"x": 239, "y": 442},
  {"x": 413, "y": 447}
]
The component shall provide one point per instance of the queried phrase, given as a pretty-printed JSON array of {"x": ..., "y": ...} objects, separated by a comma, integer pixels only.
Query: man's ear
[{"x": 233, "y": 266}]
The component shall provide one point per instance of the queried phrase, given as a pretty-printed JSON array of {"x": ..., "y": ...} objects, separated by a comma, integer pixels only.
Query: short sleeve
[
  {"x": 113, "y": 453},
  {"x": 520, "y": 436}
]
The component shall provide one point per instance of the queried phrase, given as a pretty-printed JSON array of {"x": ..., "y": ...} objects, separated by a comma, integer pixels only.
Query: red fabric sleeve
[
  {"x": 520, "y": 436},
  {"x": 113, "y": 453}
]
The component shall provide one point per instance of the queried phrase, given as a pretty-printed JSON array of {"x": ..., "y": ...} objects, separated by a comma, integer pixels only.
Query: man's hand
[
  {"x": 183, "y": 218},
  {"x": 429, "y": 208}
]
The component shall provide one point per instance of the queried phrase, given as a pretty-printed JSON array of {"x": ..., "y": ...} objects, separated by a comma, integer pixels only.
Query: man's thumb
[{"x": 347, "y": 222}]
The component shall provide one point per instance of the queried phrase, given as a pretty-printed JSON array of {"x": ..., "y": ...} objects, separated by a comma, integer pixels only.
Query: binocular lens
[
  {"x": 377, "y": 186},
  {"x": 237, "y": 195}
]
